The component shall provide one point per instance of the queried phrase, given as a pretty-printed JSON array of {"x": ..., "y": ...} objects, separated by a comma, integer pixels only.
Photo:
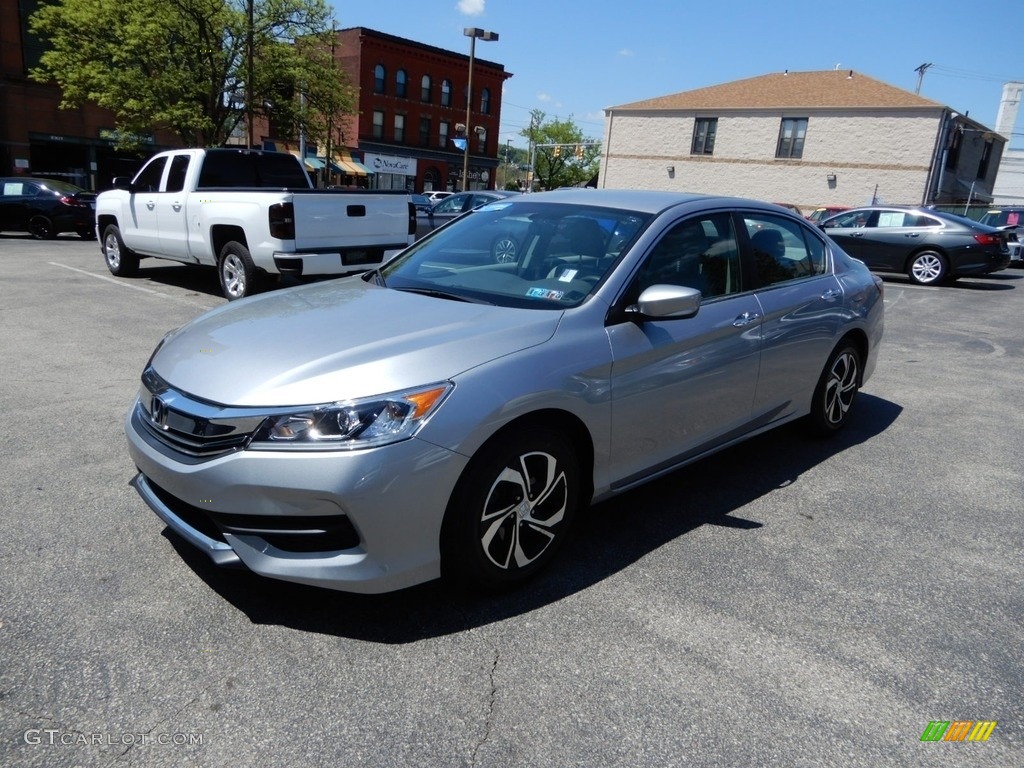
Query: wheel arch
[
  {"x": 568, "y": 424},
  {"x": 860, "y": 341},
  {"x": 222, "y": 234}
]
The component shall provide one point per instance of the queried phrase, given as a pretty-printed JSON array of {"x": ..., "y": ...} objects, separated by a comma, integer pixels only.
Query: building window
[
  {"x": 401, "y": 82},
  {"x": 380, "y": 79},
  {"x": 485, "y": 101},
  {"x": 446, "y": 93},
  {"x": 986, "y": 155},
  {"x": 442, "y": 135},
  {"x": 399, "y": 129},
  {"x": 791, "y": 137},
  {"x": 424, "y": 131},
  {"x": 425, "y": 86},
  {"x": 704, "y": 130},
  {"x": 378, "y": 124}
]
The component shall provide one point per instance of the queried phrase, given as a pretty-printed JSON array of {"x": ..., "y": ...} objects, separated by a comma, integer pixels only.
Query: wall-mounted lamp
[
  {"x": 830, "y": 178},
  {"x": 671, "y": 171}
]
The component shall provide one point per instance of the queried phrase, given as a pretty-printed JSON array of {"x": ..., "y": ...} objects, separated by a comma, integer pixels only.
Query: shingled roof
[{"x": 844, "y": 89}]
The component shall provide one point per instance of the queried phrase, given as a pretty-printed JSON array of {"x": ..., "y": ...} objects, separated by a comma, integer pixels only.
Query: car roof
[{"x": 644, "y": 200}]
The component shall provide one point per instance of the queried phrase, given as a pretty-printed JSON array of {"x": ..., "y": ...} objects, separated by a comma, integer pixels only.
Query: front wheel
[
  {"x": 511, "y": 510},
  {"x": 120, "y": 260},
  {"x": 237, "y": 273},
  {"x": 837, "y": 389},
  {"x": 927, "y": 268}
]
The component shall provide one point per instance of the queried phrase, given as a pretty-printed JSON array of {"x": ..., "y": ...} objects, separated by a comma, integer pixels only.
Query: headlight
[{"x": 350, "y": 425}]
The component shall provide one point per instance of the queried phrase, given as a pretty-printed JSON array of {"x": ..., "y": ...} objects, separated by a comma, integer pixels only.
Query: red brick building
[
  {"x": 38, "y": 138},
  {"x": 412, "y": 104}
]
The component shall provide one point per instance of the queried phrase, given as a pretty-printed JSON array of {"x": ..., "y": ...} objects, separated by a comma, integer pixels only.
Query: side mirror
[
  {"x": 122, "y": 182},
  {"x": 667, "y": 301}
]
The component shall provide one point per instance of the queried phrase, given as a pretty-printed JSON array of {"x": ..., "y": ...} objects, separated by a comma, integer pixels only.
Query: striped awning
[{"x": 344, "y": 157}]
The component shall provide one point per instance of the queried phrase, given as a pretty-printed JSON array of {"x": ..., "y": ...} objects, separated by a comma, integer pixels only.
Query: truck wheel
[
  {"x": 238, "y": 274},
  {"x": 120, "y": 260}
]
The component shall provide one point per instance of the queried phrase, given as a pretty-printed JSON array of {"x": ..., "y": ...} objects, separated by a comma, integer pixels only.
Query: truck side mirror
[{"x": 122, "y": 182}]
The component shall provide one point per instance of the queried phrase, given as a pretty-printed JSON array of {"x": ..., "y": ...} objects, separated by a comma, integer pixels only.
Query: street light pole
[{"x": 472, "y": 33}]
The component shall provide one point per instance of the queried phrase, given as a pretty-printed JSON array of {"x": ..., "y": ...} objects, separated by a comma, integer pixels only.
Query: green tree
[
  {"x": 184, "y": 64},
  {"x": 574, "y": 161}
]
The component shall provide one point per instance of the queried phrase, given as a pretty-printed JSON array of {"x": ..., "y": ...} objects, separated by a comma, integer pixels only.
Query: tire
[
  {"x": 837, "y": 389},
  {"x": 927, "y": 268},
  {"x": 505, "y": 250},
  {"x": 41, "y": 228},
  {"x": 121, "y": 261},
  {"x": 238, "y": 275},
  {"x": 511, "y": 510}
]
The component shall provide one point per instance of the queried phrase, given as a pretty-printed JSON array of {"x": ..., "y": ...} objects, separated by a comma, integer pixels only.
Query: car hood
[{"x": 338, "y": 340}]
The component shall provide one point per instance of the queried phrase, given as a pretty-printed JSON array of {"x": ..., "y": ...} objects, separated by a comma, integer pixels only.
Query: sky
[{"x": 574, "y": 58}]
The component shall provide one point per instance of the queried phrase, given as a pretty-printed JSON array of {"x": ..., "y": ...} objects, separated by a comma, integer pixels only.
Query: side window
[
  {"x": 148, "y": 179},
  {"x": 847, "y": 220},
  {"x": 783, "y": 249},
  {"x": 699, "y": 253},
  {"x": 176, "y": 176}
]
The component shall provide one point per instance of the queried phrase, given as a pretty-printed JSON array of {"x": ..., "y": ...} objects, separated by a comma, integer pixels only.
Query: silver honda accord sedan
[{"x": 449, "y": 414}]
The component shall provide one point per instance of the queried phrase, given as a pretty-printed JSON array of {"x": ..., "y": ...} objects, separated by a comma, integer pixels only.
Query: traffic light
[
  {"x": 558, "y": 151},
  {"x": 579, "y": 151}
]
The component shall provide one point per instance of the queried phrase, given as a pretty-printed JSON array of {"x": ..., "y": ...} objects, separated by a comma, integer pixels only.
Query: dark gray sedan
[
  {"x": 927, "y": 245},
  {"x": 442, "y": 417}
]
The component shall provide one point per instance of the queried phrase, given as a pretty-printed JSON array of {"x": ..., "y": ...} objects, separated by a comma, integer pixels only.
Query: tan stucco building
[{"x": 808, "y": 138}]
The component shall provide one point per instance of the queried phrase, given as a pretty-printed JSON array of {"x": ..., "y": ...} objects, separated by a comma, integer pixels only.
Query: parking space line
[{"x": 129, "y": 285}]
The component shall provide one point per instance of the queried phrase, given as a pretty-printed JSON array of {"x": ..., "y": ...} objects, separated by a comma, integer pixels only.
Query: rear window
[
  {"x": 1003, "y": 218},
  {"x": 251, "y": 168}
]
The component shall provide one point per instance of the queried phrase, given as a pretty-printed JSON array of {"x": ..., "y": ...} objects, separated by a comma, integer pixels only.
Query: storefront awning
[{"x": 344, "y": 157}]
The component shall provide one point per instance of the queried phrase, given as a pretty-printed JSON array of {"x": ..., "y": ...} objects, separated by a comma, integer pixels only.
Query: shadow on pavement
[{"x": 608, "y": 538}]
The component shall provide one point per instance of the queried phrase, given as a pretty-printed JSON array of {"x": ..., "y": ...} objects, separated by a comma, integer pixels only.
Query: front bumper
[{"x": 359, "y": 521}]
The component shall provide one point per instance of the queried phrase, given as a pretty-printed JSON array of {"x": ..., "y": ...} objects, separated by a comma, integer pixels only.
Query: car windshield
[{"x": 517, "y": 254}]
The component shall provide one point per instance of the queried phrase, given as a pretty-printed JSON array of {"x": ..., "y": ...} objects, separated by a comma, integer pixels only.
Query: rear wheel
[
  {"x": 237, "y": 273},
  {"x": 511, "y": 510},
  {"x": 120, "y": 260},
  {"x": 927, "y": 268},
  {"x": 42, "y": 228},
  {"x": 837, "y": 389}
]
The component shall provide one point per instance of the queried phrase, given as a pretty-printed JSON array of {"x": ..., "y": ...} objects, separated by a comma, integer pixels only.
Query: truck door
[
  {"x": 140, "y": 230},
  {"x": 170, "y": 208}
]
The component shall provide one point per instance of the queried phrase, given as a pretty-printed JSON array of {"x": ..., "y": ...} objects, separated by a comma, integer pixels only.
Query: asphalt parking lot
[{"x": 789, "y": 602}]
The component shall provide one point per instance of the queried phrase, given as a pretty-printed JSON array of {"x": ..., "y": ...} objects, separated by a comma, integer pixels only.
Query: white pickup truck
[{"x": 250, "y": 214}]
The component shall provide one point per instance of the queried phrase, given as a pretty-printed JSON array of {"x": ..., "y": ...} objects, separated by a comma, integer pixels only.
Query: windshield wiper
[{"x": 444, "y": 295}]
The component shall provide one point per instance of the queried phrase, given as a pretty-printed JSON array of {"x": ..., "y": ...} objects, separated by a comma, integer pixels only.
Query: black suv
[{"x": 1011, "y": 219}]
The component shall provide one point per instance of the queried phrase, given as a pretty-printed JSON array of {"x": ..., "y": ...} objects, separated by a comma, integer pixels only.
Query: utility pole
[{"x": 920, "y": 76}]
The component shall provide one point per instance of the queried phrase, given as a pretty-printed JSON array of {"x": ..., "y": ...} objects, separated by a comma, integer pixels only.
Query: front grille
[
  {"x": 308, "y": 533},
  {"x": 191, "y": 426}
]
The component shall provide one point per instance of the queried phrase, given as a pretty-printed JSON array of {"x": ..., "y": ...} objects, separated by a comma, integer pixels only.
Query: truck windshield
[{"x": 251, "y": 168}]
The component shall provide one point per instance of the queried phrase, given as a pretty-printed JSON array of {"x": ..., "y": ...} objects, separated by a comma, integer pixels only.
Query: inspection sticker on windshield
[{"x": 545, "y": 293}]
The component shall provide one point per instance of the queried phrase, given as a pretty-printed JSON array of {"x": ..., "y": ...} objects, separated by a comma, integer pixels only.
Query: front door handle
[
  {"x": 746, "y": 319},
  {"x": 831, "y": 295}
]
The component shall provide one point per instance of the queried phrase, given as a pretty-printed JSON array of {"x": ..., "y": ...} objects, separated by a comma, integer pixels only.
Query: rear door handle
[
  {"x": 831, "y": 295},
  {"x": 746, "y": 319},
  {"x": 911, "y": 234}
]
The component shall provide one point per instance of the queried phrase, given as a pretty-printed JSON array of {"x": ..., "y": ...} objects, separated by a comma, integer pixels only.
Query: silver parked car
[{"x": 450, "y": 415}]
